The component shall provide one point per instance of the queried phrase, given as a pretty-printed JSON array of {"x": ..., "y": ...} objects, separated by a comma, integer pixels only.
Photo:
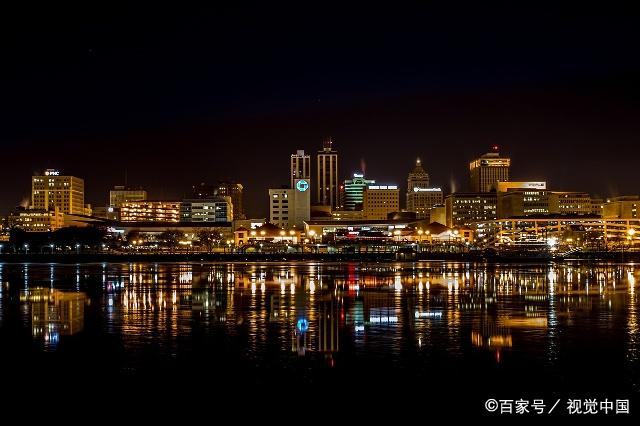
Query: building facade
[
  {"x": 327, "y": 188},
  {"x": 222, "y": 189},
  {"x": 353, "y": 193},
  {"x": 121, "y": 194},
  {"x": 290, "y": 207},
  {"x": 421, "y": 197},
  {"x": 625, "y": 207},
  {"x": 300, "y": 166},
  {"x": 380, "y": 200},
  {"x": 570, "y": 203},
  {"x": 51, "y": 189},
  {"x": 150, "y": 211},
  {"x": 486, "y": 171},
  {"x": 466, "y": 208},
  {"x": 37, "y": 220},
  {"x": 219, "y": 209}
]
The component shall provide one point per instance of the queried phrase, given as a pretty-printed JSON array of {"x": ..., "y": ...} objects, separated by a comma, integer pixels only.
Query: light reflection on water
[{"x": 408, "y": 315}]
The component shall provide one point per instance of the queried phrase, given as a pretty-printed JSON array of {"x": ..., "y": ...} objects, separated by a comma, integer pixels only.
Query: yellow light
[
  {"x": 262, "y": 232},
  {"x": 253, "y": 233},
  {"x": 282, "y": 233},
  {"x": 292, "y": 232},
  {"x": 312, "y": 233},
  {"x": 420, "y": 231}
]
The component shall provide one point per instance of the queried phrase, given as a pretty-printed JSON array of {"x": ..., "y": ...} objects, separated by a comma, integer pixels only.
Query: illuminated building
[
  {"x": 487, "y": 170},
  {"x": 218, "y": 209},
  {"x": 559, "y": 228},
  {"x": 511, "y": 185},
  {"x": 327, "y": 189},
  {"x": 517, "y": 203},
  {"x": 353, "y": 193},
  {"x": 625, "y": 207},
  {"x": 300, "y": 166},
  {"x": 223, "y": 189},
  {"x": 529, "y": 202},
  {"x": 150, "y": 211},
  {"x": 51, "y": 189},
  {"x": 280, "y": 207},
  {"x": 37, "y": 220},
  {"x": 235, "y": 191},
  {"x": 597, "y": 206},
  {"x": 121, "y": 194},
  {"x": 438, "y": 214},
  {"x": 266, "y": 233},
  {"x": 290, "y": 207},
  {"x": 465, "y": 208},
  {"x": 380, "y": 200},
  {"x": 420, "y": 197},
  {"x": 570, "y": 203}
]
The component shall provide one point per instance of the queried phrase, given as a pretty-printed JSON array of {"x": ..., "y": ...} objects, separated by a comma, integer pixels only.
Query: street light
[
  {"x": 77, "y": 247},
  {"x": 51, "y": 247}
]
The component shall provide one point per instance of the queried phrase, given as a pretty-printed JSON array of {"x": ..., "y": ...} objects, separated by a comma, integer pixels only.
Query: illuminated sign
[
  {"x": 51, "y": 172},
  {"x": 427, "y": 190},
  {"x": 382, "y": 187},
  {"x": 302, "y": 185}
]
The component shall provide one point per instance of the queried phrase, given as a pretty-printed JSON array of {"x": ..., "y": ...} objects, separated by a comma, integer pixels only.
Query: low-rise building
[
  {"x": 380, "y": 200},
  {"x": 150, "y": 211},
  {"x": 465, "y": 208},
  {"x": 37, "y": 220}
]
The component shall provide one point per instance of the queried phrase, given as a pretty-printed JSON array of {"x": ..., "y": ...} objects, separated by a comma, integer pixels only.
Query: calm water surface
[{"x": 433, "y": 330}]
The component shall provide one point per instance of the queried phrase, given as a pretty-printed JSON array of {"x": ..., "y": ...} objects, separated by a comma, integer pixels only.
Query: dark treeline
[{"x": 69, "y": 237}]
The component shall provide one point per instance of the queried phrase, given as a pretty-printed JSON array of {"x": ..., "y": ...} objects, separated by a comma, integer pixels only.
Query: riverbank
[{"x": 317, "y": 257}]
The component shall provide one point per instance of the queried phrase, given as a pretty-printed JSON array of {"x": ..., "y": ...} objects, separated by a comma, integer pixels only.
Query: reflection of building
[
  {"x": 487, "y": 170},
  {"x": 53, "y": 190},
  {"x": 380, "y": 200},
  {"x": 328, "y": 326},
  {"x": 218, "y": 209},
  {"x": 354, "y": 192},
  {"x": 150, "y": 211},
  {"x": 464, "y": 208},
  {"x": 54, "y": 313},
  {"x": 327, "y": 189},
  {"x": 32, "y": 220},
  {"x": 121, "y": 194}
]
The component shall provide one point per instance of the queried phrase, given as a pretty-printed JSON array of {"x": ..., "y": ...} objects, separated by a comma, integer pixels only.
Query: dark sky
[{"x": 175, "y": 97}]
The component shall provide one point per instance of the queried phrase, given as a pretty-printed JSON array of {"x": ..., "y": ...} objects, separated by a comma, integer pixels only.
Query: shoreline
[{"x": 616, "y": 257}]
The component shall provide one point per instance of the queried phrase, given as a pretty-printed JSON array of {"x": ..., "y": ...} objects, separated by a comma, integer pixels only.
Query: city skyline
[{"x": 226, "y": 89}]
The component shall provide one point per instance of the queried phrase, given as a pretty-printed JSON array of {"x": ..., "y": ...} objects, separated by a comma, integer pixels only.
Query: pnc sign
[{"x": 302, "y": 185}]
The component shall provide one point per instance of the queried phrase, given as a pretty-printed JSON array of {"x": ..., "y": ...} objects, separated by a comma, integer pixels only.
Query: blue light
[
  {"x": 302, "y": 185},
  {"x": 302, "y": 325}
]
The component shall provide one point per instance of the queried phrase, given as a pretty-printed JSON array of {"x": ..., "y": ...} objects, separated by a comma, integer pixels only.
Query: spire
[{"x": 418, "y": 161}]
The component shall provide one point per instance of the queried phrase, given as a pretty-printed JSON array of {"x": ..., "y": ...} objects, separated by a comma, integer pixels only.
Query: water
[{"x": 442, "y": 333}]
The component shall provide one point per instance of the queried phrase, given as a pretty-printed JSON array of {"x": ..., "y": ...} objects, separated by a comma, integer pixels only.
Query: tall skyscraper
[
  {"x": 300, "y": 166},
  {"x": 327, "y": 189},
  {"x": 487, "y": 170},
  {"x": 420, "y": 197},
  {"x": 51, "y": 189},
  {"x": 353, "y": 193},
  {"x": 418, "y": 178}
]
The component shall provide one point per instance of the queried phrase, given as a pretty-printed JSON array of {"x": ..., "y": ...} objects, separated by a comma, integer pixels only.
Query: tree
[
  {"x": 208, "y": 237},
  {"x": 171, "y": 237}
]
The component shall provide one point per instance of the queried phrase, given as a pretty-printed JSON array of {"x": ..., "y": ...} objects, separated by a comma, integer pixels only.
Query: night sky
[{"x": 175, "y": 97}]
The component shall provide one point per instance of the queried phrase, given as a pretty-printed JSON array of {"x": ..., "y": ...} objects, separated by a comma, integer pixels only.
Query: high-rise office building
[
  {"x": 223, "y": 189},
  {"x": 290, "y": 207},
  {"x": 380, "y": 200},
  {"x": 327, "y": 189},
  {"x": 420, "y": 197},
  {"x": 300, "y": 166},
  {"x": 465, "y": 208},
  {"x": 353, "y": 193},
  {"x": 488, "y": 170},
  {"x": 51, "y": 189},
  {"x": 216, "y": 209},
  {"x": 121, "y": 194}
]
